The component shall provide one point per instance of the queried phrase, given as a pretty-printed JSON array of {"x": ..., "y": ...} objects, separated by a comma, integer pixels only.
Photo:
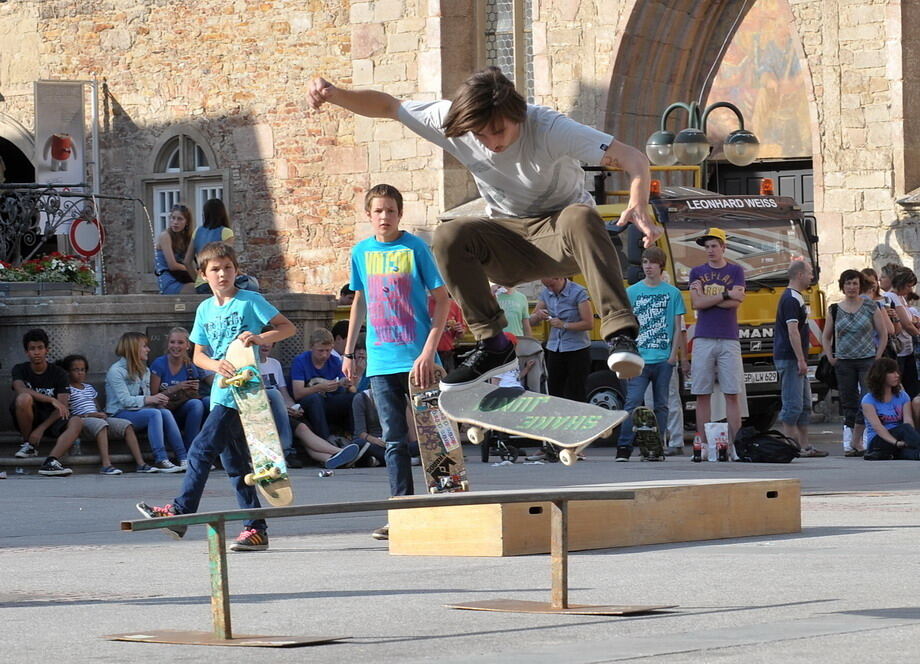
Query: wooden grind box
[{"x": 661, "y": 512}]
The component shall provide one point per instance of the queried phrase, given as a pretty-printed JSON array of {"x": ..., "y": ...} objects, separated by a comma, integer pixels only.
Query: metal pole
[
  {"x": 220, "y": 591},
  {"x": 97, "y": 189},
  {"x": 559, "y": 552}
]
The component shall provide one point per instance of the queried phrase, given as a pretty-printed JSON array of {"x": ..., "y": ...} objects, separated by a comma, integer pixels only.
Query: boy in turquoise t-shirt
[
  {"x": 658, "y": 307},
  {"x": 230, "y": 314},
  {"x": 392, "y": 274}
]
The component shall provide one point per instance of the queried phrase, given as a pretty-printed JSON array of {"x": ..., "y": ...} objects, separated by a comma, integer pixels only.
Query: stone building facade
[{"x": 227, "y": 76}]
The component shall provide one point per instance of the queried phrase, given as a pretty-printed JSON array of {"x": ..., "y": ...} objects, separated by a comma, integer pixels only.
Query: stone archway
[{"x": 17, "y": 149}]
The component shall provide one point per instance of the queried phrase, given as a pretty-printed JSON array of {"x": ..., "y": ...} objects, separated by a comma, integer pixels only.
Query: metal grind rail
[{"x": 222, "y": 633}]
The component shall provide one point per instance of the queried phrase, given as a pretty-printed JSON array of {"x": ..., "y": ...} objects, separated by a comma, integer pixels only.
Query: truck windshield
[{"x": 764, "y": 251}]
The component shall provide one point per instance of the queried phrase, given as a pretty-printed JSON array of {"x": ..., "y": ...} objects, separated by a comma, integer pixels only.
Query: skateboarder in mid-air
[
  {"x": 542, "y": 222},
  {"x": 230, "y": 314}
]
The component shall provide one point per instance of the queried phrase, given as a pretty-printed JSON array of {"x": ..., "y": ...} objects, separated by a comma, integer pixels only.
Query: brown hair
[
  {"x": 878, "y": 372},
  {"x": 182, "y": 239},
  {"x": 129, "y": 347},
  {"x": 872, "y": 286},
  {"x": 214, "y": 214},
  {"x": 482, "y": 98},
  {"x": 847, "y": 275},
  {"x": 382, "y": 191},
  {"x": 321, "y": 336},
  {"x": 215, "y": 250},
  {"x": 655, "y": 255}
]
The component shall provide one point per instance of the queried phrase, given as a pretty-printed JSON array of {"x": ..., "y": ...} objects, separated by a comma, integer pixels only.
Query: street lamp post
[{"x": 691, "y": 145}]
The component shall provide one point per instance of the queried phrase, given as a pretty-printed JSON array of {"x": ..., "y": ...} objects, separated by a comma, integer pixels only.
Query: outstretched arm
[
  {"x": 620, "y": 155},
  {"x": 369, "y": 103}
]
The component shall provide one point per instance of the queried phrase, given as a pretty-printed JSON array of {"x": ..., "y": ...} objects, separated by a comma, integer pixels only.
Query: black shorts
[{"x": 40, "y": 413}]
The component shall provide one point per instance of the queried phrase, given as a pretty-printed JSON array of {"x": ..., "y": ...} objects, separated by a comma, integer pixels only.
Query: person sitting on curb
[
  {"x": 890, "y": 415},
  {"x": 42, "y": 405}
]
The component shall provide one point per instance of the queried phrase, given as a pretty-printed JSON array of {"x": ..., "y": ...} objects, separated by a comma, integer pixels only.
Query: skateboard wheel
[
  {"x": 247, "y": 374},
  {"x": 464, "y": 486},
  {"x": 432, "y": 489},
  {"x": 477, "y": 435},
  {"x": 247, "y": 479},
  {"x": 274, "y": 473},
  {"x": 568, "y": 457}
]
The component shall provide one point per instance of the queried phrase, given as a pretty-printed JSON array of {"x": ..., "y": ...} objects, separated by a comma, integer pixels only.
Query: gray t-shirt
[{"x": 537, "y": 175}]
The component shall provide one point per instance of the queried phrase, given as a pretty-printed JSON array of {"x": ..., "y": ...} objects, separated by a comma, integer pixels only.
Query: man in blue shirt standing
[
  {"x": 658, "y": 307},
  {"x": 790, "y": 355},
  {"x": 566, "y": 306}
]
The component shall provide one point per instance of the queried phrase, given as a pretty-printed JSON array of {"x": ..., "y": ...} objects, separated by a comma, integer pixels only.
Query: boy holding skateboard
[
  {"x": 659, "y": 308},
  {"x": 526, "y": 162},
  {"x": 230, "y": 314},
  {"x": 392, "y": 274}
]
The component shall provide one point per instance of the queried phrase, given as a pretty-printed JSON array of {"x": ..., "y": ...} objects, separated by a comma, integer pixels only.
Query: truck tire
[{"x": 603, "y": 388}]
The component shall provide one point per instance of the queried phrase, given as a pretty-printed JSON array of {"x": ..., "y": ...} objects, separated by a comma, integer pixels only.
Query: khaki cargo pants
[{"x": 471, "y": 251}]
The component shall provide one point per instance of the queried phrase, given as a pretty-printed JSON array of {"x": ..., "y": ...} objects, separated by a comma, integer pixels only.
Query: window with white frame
[
  {"x": 186, "y": 171},
  {"x": 508, "y": 41}
]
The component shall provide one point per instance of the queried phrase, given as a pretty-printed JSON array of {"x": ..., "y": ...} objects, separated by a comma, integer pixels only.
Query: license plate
[{"x": 757, "y": 377}]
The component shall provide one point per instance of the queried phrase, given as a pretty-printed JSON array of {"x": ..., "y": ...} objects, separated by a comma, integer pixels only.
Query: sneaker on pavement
[
  {"x": 623, "y": 454},
  {"x": 167, "y": 466},
  {"x": 854, "y": 453},
  {"x": 153, "y": 512},
  {"x": 183, "y": 465},
  {"x": 250, "y": 540},
  {"x": 624, "y": 358},
  {"x": 53, "y": 467},
  {"x": 109, "y": 470},
  {"x": 26, "y": 450},
  {"x": 480, "y": 364},
  {"x": 344, "y": 457},
  {"x": 362, "y": 450},
  {"x": 147, "y": 469},
  {"x": 382, "y": 533},
  {"x": 292, "y": 460},
  {"x": 673, "y": 451}
]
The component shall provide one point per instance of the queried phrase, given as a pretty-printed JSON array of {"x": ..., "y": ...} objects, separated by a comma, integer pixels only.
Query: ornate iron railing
[{"x": 31, "y": 214}]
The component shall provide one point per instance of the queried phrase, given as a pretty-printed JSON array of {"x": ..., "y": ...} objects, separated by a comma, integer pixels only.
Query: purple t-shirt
[{"x": 717, "y": 322}]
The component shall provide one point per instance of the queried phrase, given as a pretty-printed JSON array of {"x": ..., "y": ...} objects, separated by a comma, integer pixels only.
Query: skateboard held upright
[
  {"x": 566, "y": 424},
  {"x": 648, "y": 438},
  {"x": 438, "y": 440},
  {"x": 269, "y": 470}
]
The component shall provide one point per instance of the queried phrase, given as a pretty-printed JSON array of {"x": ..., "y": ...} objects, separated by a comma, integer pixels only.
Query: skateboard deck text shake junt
[
  {"x": 438, "y": 441},
  {"x": 570, "y": 425},
  {"x": 269, "y": 470}
]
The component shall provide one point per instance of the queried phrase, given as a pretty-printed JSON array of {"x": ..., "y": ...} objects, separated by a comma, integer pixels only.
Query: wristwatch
[
  {"x": 726, "y": 296},
  {"x": 350, "y": 356}
]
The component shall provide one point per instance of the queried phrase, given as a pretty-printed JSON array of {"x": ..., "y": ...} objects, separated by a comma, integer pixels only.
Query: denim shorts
[{"x": 795, "y": 392}]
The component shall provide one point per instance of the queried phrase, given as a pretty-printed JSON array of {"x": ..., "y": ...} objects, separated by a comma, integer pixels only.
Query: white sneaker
[
  {"x": 183, "y": 465},
  {"x": 167, "y": 466},
  {"x": 25, "y": 451}
]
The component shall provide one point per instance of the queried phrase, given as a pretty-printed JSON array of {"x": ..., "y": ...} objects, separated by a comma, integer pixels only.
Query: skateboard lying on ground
[
  {"x": 647, "y": 436},
  {"x": 269, "y": 470},
  {"x": 567, "y": 424},
  {"x": 438, "y": 440}
]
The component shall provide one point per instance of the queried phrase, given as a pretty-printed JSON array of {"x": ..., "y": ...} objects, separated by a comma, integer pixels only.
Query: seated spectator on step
[
  {"x": 889, "y": 415},
  {"x": 128, "y": 396},
  {"x": 282, "y": 405},
  {"x": 323, "y": 452},
  {"x": 368, "y": 429},
  {"x": 97, "y": 425},
  {"x": 339, "y": 335},
  {"x": 215, "y": 227},
  {"x": 320, "y": 387},
  {"x": 175, "y": 376},
  {"x": 346, "y": 296},
  {"x": 173, "y": 253},
  {"x": 41, "y": 405}
]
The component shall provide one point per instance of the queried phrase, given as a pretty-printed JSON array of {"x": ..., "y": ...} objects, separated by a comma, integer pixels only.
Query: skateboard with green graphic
[
  {"x": 648, "y": 438},
  {"x": 269, "y": 470},
  {"x": 569, "y": 425}
]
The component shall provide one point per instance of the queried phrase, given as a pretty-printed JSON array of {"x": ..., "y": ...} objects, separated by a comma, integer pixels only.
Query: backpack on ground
[{"x": 770, "y": 446}]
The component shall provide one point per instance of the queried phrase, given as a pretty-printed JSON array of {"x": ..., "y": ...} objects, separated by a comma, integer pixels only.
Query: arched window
[{"x": 183, "y": 169}]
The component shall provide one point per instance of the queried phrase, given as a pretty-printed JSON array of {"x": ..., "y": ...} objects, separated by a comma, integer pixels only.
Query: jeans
[
  {"x": 903, "y": 432},
  {"x": 851, "y": 384},
  {"x": 221, "y": 435},
  {"x": 161, "y": 428},
  {"x": 659, "y": 376},
  {"x": 390, "y": 398},
  {"x": 795, "y": 393},
  {"x": 189, "y": 417},
  {"x": 282, "y": 421},
  {"x": 321, "y": 410},
  {"x": 675, "y": 437},
  {"x": 567, "y": 372}
]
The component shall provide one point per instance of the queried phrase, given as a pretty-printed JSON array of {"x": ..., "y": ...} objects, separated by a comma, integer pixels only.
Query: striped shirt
[{"x": 83, "y": 401}]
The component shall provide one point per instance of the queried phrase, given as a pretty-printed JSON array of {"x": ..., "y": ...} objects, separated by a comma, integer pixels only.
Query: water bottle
[
  {"x": 76, "y": 449},
  {"x": 697, "y": 449}
]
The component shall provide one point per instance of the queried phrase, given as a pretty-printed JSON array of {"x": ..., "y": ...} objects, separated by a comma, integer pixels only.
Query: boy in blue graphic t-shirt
[
  {"x": 392, "y": 274},
  {"x": 230, "y": 314},
  {"x": 658, "y": 307}
]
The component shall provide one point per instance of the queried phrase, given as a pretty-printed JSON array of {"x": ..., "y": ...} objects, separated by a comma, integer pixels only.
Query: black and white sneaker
[
  {"x": 480, "y": 365},
  {"x": 54, "y": 468},
  {"x": 624, "y": 358},
  {"x": 26, "y": 450},
  {"x": 623, "y": 454}
]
